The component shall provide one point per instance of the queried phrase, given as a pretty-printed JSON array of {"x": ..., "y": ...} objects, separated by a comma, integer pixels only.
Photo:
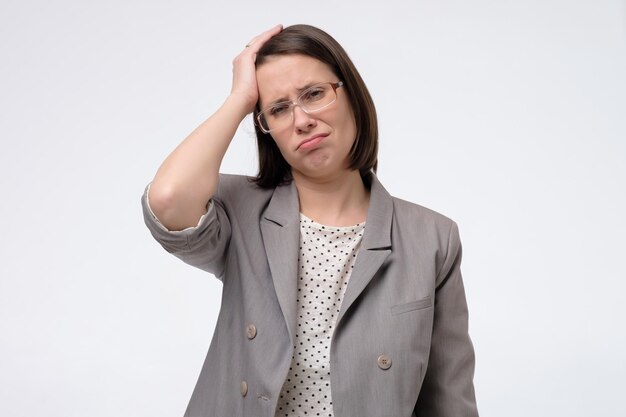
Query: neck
[{"x": 339, "y": 201}]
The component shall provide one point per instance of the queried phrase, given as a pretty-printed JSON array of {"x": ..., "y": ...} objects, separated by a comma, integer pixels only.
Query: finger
[
  {"x": 257, "y": 42},
  {"x": 264, "y": 36}
]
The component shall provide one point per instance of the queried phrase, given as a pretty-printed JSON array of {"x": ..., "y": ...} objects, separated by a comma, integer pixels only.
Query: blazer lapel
[
  {"x": 280, "y": 228},
  {"x": 375, "y": 246}
]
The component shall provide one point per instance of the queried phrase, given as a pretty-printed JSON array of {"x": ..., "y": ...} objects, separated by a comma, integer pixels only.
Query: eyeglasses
[{"x": 311, "y": 100}]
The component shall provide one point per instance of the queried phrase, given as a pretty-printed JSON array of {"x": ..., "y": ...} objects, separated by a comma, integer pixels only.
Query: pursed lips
[{"x": 311, "y": 141}]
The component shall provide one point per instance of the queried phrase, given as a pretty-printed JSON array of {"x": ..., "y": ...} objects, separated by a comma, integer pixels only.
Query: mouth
[{"x": 311, "y": 142}]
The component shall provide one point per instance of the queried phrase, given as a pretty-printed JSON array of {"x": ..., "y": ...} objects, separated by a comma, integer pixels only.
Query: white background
[{"x": 508, "y": 116}]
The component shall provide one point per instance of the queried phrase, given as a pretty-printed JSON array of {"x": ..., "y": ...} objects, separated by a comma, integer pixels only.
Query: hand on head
[{"x": 244, "y": 71}]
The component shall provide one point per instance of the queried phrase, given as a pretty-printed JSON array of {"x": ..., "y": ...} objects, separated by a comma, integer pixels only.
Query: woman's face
[{"x": 315, "y": 145}]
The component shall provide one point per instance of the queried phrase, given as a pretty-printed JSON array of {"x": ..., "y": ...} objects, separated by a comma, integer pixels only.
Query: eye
[
  {"x": 313, "y": 94},
  {"x": 278, "y": 110}
]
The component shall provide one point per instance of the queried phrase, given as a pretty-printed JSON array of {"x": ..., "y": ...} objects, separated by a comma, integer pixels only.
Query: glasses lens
[
  {"x": 317, "y": 97},
  {"x": 276, "y": 116}
]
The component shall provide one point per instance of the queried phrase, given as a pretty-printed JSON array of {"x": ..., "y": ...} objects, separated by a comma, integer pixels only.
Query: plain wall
[{"x": 507, "y": 116}]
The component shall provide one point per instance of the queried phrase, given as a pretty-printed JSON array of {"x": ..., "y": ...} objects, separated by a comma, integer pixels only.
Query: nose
[{"x": 302, "y": 121}]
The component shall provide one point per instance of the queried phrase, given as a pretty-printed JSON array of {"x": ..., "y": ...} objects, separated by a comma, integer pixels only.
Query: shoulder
[
  {"x": 408, "y": 217},
  {"x": 236, "y": 187},
  {"x": 241, "y": 197},
  {"x": 425, "y": 222},
  {"x": 413, "y": 225},
  {"x": 231, "y": 182},
  {"x": 428, "y": 230},
  {"x": 407, "y": 211}
]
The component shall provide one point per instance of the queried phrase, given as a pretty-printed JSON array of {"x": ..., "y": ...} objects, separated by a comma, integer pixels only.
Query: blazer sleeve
[
  {"x": 448, "y": 387},
  {"x": 203, "y": 246}
]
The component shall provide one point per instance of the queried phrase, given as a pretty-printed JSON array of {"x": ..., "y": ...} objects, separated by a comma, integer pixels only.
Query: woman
[{"x": 338, "y": 299}]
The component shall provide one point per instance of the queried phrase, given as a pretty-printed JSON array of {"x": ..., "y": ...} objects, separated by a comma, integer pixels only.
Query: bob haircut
[{"x": 315, "y": 43}]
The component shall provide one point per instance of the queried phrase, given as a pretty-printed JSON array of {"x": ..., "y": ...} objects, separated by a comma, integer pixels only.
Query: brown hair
[{"x": 311, "y": 41}]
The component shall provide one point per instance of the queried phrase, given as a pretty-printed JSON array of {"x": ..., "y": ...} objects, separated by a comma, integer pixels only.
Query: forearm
[{"x": 188, "y": 177}]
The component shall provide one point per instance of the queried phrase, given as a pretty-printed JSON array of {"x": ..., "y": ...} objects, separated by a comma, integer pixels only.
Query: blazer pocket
[{"x": 412, "y": 305}]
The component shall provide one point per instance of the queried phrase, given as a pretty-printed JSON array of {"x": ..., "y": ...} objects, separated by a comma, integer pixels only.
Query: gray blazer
[{"x": 400, "y": 347}]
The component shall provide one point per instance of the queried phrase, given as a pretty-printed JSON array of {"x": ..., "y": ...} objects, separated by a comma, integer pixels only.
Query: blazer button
[
  {"x": 243, "y": 388},
  {"x": 251, "y": 331},
  {"x": 384, "y": 362}
]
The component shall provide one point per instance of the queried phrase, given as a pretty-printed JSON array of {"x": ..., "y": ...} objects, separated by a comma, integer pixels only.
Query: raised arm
[{"x": 188, "y": 177}]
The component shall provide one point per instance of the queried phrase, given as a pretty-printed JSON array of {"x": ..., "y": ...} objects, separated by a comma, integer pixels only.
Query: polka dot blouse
[{"x": 327, "y": 255}]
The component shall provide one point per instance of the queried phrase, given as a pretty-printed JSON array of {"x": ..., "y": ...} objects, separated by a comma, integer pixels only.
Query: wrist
[{"x": 244, "y": 103}]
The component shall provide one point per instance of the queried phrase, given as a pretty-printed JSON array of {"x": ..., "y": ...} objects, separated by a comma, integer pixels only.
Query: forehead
[{"x": 283, "y": 76}]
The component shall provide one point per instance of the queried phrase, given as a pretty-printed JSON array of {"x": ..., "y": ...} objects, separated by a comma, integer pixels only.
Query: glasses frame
[{"x": 296, "y": 102}]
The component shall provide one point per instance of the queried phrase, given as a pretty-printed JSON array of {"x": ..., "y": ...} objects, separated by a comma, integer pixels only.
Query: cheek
[
  {"x": 348, "y": 126},
  {"x": 279, "y": 141},
  {"x": 345, "y": 118},
  {"x": 281, "y": 144}
]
